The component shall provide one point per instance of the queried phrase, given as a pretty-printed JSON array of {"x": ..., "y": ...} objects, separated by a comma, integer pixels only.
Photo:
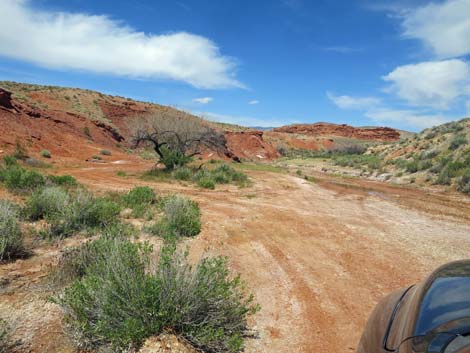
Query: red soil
[{"x": 250, "y": 145}]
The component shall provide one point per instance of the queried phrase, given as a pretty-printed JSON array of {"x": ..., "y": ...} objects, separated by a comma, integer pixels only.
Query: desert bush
[
  {"x": 63, "y": 180},
  {"x": 46, "y": 203},
  {"x": 45, "y": 154},
  {"x": 463, "y": 184},
  {"x": 182, "y": 173},
  {"x": 86, "y": 131},
  {"x": 206, "y": 182},
  {"x": 173, "y": 159},
  {"x": 74, "y": 261},
  {"x": 18, "y": 179},
  {"x": 412, "y": 166},
  {"x": 11, "y": 236},
  {"x": 10, "y": 161},
  {"x": 20, "y": 151},
  {"x": 430, "y": 135},
  {"x": 457, "y": 141},
  {"x": 139, "y": 199},
  {"x": 357, "y": 161},
  {"x": 225, "y": 174},
  {"x": 118, "y": 302},
  {"x": 98, "y": 158},
  {"x": 181, "y": 218},
  {"x": 4, "y": 333},
  {"x": 444, "y": 177},
  {"x": 83, "y": 212},
  {"x": 105, "y": 152}
]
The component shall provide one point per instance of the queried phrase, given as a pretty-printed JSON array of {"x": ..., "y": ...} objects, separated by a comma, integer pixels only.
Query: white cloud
[
  {"x": 348, "y": 102},
  {"x": 253, "y": 102},
  {"x": 203, "y": 100},
  {"x": 444, "y": 27},
  {"x": 102, "y": 45},
  {"x": 409, "y": 117},
  {"x": 433, "y": 84}
]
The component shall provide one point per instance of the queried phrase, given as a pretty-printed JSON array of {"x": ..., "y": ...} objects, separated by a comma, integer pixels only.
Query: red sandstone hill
[
  {"x": 327, "y": 129},
  {"x": 78, "y": 123}
]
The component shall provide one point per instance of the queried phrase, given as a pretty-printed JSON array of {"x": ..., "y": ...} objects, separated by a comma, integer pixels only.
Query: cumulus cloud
[
  {"x": 433, "y": 84},
  {"x": 203, "y": 100},
  {"x": 444, "y": 27},
  {"x": 253, "y": 102},
  {"x": 410, "y": 118},
  {"x": 348, "y": 102},
  {"x": 61, "y": 40}
]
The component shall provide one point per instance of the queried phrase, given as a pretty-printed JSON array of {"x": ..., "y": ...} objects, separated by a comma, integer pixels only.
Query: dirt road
[{"x": 318, "y": 256}]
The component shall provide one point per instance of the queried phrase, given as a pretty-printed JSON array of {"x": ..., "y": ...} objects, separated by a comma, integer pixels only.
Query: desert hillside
[
  {"x": 57, "y": 118},
  {"x": 80, "y": 206}
]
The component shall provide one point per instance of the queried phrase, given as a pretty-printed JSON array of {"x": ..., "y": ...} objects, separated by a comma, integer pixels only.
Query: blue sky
[{"x": 260, "y": 63}]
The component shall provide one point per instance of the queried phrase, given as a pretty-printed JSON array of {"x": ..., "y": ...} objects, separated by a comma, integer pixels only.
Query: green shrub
[
  {"x": 357, "y": 161},
  {"x": 46, "y": 203},
  {"x": 18, "y": 179},
  {"x": 98, "y": 158},
  {"x": 182, "y": 173},
  {"x": 83, "y": 212},
  {"x": 11, "y": 236},
  {"x": 173, "y": 159},
  {"x": 444, "y": 178},
  {"x": 121, "y": 173},
  {"x": 117, "y": 302},
  {"x": 63, "y": 180},
  {"x": 45, "y": 154},
  {"x": 457, "y": 141},
  {"x": 412, "y": 166},
  {"x": 10, "y": 161},
  {"x": 105, "y": 152},
  {"x": 181, "y": 218},
  {"x": 139, "y": 199},
  {"x": 225, "y": 174},
  {"x": 206, "y": 182},
  {"x": 463, "y": 184}
]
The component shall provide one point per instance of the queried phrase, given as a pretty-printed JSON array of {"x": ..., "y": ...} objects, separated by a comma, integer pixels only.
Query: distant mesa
[{"x": 327, "y": 129}]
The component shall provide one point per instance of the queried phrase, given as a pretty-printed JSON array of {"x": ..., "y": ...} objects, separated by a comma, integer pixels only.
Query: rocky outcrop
[
  {"x": 326, "y": 129},
  {"x": 250, "y": 145},
  {"x": 6, "y": 100}
]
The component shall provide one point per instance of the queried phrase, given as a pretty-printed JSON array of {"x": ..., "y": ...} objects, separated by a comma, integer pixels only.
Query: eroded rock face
[
  {"x": 319, "y": 129},
  {"x": 250, "y": 145},
  {"x": 5, "y": 99}
]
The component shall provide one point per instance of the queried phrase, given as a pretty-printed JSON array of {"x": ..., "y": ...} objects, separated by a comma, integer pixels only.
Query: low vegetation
[
  {"x": 439, "y": 155},
  {"x": 11, "y": 235},
  {"x": 181, "y": 218},
  {"x": 4, "y": 333},
  {"x": 139, "y": 199},
  {"x": 209, "y": 177},
  {"x": 119, "y": 299},
  {"x": 45, "y": 154}
]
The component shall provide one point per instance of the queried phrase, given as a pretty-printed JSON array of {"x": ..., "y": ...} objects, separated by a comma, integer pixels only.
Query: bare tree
[{"x": 176, "y": 139}]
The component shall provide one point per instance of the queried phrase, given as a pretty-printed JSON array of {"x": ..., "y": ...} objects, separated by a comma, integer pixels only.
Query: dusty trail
[{"x": 317, "y": 257}]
